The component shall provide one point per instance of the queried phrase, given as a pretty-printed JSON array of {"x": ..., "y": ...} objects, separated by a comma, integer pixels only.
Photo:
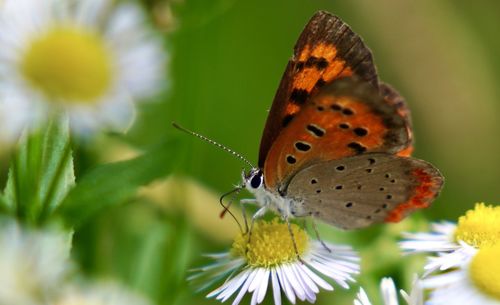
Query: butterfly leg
[
  {"x": 315, "y": 228},
  {"x": 293, "y": 240},
  {"x": 244, "y": 202},
  {"x": 248, "y": 200},
  {"x": 260, "y": 212}
]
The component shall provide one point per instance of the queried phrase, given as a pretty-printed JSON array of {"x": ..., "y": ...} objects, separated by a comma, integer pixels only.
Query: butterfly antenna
[{"x": 237, "y": 155}]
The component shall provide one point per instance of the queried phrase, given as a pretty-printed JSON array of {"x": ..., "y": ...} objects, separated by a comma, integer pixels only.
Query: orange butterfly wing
[
  {"x": 392, "y": 97},
  {"x": 326, "y": 50},
  {"x": 345, "y": 118}
]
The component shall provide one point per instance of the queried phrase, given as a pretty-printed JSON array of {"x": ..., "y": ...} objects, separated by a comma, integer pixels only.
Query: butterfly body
[
  {"x": 337, "y": 141},
  {"x": 267, "y": 199}
]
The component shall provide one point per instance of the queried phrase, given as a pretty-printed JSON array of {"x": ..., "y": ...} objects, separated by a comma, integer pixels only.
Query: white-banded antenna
[{"x": 232, "y": 152}]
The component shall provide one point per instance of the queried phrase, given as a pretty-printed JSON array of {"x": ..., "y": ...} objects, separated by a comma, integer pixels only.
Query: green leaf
[
  {"x": 114, "y": 183},
  {"x": 163, "y": 260},
  {"x": 4, "y": 205},
  {"x": 41, "y": 173}
]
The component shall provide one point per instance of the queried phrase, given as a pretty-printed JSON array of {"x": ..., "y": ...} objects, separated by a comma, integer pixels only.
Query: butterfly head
[{"x": 253, "y": 179}]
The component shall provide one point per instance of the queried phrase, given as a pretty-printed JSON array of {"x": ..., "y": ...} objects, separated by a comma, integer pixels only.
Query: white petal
[
  {"x": 436, "y": 281},
  {"x": 362, "y": 298},
  {"x": 301, "y": 277},
  {"x": 294, "y": 282},
  {"x": 89, "y": 12},
  {"x": 299, "y": 269},
  {"x": 231, "y": 289},
  {"x": 338, "y": 269},
  {"x": 263, "y": 287},
  {"x": 318, "y": 280},
  {"x": 445, "y": 228},
  {"x": 447, "y": 261},
  {"x": 125, "y": 19},
  {"x": 254, "y": 296},
  {"x": 426, "y": 246},
  {"x": 337, "y": 263},
  {"x": 216, "y": 269},
  {"x": 244, "y": 288},
  {"x": 218, "y": 255},
  {"x": 259, "y": 276},
  {"x": 441, "y": 239},
  {"x": 287, "y": 287},
  {"x": 462, "y": 291},
  {"x": 276, "y": 287},
  {"x": 339, "y": 279},
  {"x": 388, "y": 290},
  {"x": 223, "y": 287},
  {"x": 416, "y": 296}
]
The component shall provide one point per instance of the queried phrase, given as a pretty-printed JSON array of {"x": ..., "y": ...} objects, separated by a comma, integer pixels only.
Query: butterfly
[{"x": 337, "y": 141}]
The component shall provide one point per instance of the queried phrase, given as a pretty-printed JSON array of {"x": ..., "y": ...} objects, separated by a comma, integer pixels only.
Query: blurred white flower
[
  {"x": 389, "y": 295},
  {"x": 33, "y": 264},
  {"x": 270, "y": 259},
  {"x": 89, "y": 58},
  {"x": 99, "y": 294},
  {"x": 475, "y": 282},
  {"x": 453, "y": 244}
]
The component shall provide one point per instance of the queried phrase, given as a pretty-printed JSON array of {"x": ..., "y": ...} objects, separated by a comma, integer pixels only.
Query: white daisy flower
[
  {"x": 89, "y": 58},
  {"x": 476, "y": 282},
  {"x": 390, "y": 296},
  {"x": 99, "y": 294},
  {"x": 441, "y": 239},
  {"x": 453, "y": 244},
  {"x": 270, "y": 259},
  {"x": 33, "y": 264}
]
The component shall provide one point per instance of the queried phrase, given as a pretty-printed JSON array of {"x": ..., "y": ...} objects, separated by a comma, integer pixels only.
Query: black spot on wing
[
  {"x": 299, "y": 66},
  {"x": 319, "y": 63},
  {"x": 320, "y": 83},
  {"x": 299, "y": 96},
  {"x": 360, "y": 131},
  {"x": 347, "y": 111},
  {"x": 302, "y": 146},
  {"x": 357, "y": 147},
  {"x": 315, "y": 130},
  {"x": 291, "y": 159},
  {"x": 336, "y": 107},
  {"x": 287, "y": 119}
]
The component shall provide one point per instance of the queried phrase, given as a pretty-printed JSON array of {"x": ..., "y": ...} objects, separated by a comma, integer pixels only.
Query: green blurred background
[{"x": 226, "y": 61}]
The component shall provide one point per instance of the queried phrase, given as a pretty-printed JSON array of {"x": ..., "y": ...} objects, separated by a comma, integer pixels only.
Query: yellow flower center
[
  {"x": 270, "y": 244},
  {"x": 68, "y": 64},
  {"x": 485, "y": 271},
  {"x": 480, "y": 227}
]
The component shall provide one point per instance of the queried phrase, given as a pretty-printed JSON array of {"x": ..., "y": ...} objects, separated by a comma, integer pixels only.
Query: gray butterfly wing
[{"x": 355, "y": 192}]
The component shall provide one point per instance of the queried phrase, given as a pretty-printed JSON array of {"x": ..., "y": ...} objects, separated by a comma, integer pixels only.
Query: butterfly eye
[{"x": 256, "y": 180}]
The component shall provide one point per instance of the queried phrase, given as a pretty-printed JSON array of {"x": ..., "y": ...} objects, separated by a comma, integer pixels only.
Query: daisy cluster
[
  {"x": 463, "y": 266},
  {"x": 89, "y": 60},
  {"x": 86, "y": 60},
  {"x": 37, "y": 269}
]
